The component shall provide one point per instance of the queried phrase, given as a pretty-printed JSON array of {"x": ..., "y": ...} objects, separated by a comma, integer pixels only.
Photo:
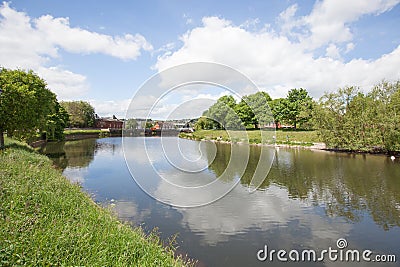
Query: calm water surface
[{"x": 308, "y": 200}]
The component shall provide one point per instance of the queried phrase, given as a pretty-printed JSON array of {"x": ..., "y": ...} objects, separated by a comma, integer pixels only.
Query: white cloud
[
  {"x": 111, "y": 107},
  {"x": 330, "y": 20},
  {"x": 32, "y": 43},
  {"x": 76, "y": 40},
  {"x": 276, "y": 62},
  {"x": 66, "y": 84},
  {"x": 250, "y": 23},
  {"x": 332, "y": 51}
]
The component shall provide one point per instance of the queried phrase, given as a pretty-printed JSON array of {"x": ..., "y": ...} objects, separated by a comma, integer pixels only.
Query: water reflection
[
  {"x": 308, "y": 200},
  {"x": 72, "y": 154},
  {"x": 345, "y": 185}
]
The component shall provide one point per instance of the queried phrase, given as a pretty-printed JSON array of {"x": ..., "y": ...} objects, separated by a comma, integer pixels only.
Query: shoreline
[
  {"x": 48, "y": 220},
  {"x": 319, "y": 146}
]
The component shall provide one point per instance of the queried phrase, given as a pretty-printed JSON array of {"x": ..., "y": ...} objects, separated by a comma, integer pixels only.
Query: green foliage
[
  {"x": 226, "y": 114},
  {"x": 148, "y": 124},
  {"x": 81, "y": 113},
  {"x": 204, "y": 123},
  {"x": 25, "y": 104},
  {"x": 56, "y": 122},
  {"x": 254, "y": 109},
  {"x": 130, "y": 124},
  {"x": 260, "y": 110},
  {"x": 82, "y": 131},
  {"x": 297, "y": 107},
  {"x": 303, "y": 138},
  {"x": 350, "y": 119},
  {"x": 277, "y": 108},
  {"x": 47, "y": 221},
  {"x": 223, "y": 115}
]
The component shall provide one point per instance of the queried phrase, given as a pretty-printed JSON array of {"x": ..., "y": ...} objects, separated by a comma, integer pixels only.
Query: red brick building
[{"x": 109, "y": 123}]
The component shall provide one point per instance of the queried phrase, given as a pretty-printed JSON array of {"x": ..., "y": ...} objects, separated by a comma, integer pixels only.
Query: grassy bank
[
  {"x": 47, "y": 221},
  {"x": 302, "y": 138},
  {"x": 82, "y": 131}
]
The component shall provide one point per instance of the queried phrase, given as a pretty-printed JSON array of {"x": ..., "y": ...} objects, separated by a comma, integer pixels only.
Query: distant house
[
  {"x": 109, "y": 123},
  {"x": 163, "y": 125}
]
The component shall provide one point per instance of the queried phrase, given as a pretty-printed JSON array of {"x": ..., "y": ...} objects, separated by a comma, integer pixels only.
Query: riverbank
[
  {"x": 78, "y": 134},
  {"x": 45, "y": 221},
  {"x": 280, "y": 138},
  {"x": 283, "y": 138}
]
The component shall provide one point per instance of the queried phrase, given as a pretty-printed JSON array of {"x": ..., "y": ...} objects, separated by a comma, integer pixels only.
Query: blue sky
[{"x": 103, "y": 51}]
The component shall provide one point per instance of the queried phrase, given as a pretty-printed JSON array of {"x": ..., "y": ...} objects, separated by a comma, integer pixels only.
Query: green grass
[
  {"x": 304, "y": 138},
  {"x": 82, "y": 131},
  {"x": 47, "y": 221}
]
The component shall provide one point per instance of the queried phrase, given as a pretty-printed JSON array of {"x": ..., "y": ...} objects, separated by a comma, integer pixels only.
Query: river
[{"x": 308, "y": 200}]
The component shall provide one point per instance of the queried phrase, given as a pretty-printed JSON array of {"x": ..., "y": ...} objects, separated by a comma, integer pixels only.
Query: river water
[{"x": 308, "y": 200}]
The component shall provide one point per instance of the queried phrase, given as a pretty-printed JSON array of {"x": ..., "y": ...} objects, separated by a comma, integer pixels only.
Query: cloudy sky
[{"x": 103, "y": 51}]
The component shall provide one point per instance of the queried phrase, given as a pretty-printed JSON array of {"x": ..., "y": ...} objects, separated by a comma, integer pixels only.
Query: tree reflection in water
[{"x": 345, "y": 185}]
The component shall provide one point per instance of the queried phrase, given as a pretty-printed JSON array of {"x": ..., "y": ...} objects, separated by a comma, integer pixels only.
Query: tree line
[
  {"x": 346, "y": 119},
  {"x": 259, "y": 110},
  {"x": 352, "y": 120},
  {"x": 29, "y": 109}
]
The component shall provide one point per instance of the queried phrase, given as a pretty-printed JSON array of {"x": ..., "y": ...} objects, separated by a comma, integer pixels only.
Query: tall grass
[{"x": 47, "y": 221}]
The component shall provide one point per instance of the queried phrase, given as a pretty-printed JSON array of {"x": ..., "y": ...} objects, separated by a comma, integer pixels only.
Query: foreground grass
[
  {"x": 304, "y": 138},
  {"x": 47, "y": 221}
]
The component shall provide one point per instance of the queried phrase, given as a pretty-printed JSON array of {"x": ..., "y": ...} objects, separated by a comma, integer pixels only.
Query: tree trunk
[{"x": 1, "y": 139}]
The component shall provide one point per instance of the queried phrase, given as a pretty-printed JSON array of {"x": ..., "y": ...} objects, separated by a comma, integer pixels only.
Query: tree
[
  {"x": 148, "y": 124},
  {"x": 298, "y": 107},
  {"x": 25, "y": 103},
  {"x": 334, "y": 117},
  {"x": 254, "y": 109},
  {"x": 386, "y": 114},
  {"x": 349, "y": 119},
  {"x": 204, "y": 123},
  {"x": 223, "y": 114},
  {"x": 277, "y": 108},
  {"x": 81, "y": 113},
  {"x": 130, "y": 124},
  {"x": 56, "y": 122}
]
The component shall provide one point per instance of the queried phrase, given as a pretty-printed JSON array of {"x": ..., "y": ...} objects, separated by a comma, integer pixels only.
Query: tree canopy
[
  {"x": 350, "y": 119},
  {"x": 25, "y": 104},
  {"x": 254, "y": 109},
  {"x": 297, "y": 107},
  {"x": 81, "y": 113},
  {"x": 222, "y": 114}
]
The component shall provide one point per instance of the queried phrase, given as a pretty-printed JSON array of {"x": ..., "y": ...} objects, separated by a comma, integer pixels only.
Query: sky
[{"x": 104, "y": 52}]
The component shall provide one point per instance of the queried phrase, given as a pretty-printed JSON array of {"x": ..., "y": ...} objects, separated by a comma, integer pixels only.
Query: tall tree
[
  {"x": 223, "y": 114},
  {"x": 254, "y": 109},
  {"x": 25, "y": 103},
  {"x": 56, "y": 122},
  {"x": 278, "y": 106},
  {"x": 298, "y": 107},
  {"x": 81, "y": 113}
]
